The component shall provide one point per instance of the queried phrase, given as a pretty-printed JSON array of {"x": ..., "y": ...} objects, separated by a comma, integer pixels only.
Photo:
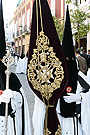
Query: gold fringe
[
  {"x": 46, "y": 132},
  {"x": 58, "y": 132}
]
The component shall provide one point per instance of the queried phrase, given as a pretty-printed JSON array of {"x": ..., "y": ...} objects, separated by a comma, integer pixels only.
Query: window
[
  {"x": 23, "y": 23},
  {"x": 20, "y": 22},
  {"x": 23, "y": 49},
  {"x": 28, "y": 20},
  {"x": 15, "y": 50},
  {"x": 15, "y": 30},
  {"x": 19, "y": 49}
]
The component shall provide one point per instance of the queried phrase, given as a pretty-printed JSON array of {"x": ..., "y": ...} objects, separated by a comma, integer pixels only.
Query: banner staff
[{"x": 8, "y": 61}]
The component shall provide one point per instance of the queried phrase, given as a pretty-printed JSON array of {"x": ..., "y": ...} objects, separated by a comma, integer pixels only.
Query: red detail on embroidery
[
  {"x": 69, "y": 89},
  {"x": 1, "y": 92}
]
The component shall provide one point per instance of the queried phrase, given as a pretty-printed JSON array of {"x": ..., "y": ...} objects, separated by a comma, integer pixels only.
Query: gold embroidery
[
  {"x": 58, "y": 132},
  {"x": 47, "y": 132},
  {"x": 45, "y": 70}
]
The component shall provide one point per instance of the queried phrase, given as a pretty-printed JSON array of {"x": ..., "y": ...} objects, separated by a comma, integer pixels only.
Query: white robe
[
  {"x": 66, "y": 123},
  {"x": 16, "y": 103},
  {"x": 21, "y": 66},
  {"x": 88, "y": 75},
  {"x": 38, "y": 116}
]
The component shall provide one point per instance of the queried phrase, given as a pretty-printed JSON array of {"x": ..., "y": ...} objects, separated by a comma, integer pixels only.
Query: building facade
[{"x": 20, "y": 22}]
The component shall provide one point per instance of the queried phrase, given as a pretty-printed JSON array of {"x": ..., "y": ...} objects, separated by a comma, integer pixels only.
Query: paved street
[{"x": 28, "y": 92}]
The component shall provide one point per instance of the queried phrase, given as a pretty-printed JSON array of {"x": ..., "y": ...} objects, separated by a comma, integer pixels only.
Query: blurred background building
[{"x": 18, "y": 24}]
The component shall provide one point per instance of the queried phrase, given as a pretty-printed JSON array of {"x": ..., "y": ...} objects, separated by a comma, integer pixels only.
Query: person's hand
[
  {"x": 7, "y": 94},
  {"x": 5, "y": 97},
  {"x": 4, "y": 100},
  {"x": 72, "y": 97}
]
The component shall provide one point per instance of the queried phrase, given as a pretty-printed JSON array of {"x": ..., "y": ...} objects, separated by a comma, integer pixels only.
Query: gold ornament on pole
[{"x": 8, "y": 61}]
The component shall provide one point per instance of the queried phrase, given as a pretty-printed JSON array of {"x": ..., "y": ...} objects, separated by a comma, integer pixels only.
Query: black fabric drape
[
  {"x": 50, "y": 32},
  {"x": 68, "y": 110}
]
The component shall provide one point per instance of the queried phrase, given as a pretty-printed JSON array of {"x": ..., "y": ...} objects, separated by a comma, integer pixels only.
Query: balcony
[{"x": 21, "y": 32}]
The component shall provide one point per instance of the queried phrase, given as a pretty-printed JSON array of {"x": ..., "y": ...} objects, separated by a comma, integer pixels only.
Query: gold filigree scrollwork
[
  {"x": 45, "y": 71},
  {"x": 8, "y": 59},
  {"x": 47, "y": 132},
  {"x": 58, "y": 132}
]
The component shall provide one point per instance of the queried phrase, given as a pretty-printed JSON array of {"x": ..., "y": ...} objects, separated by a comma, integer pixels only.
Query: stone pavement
[{"x": 28, "y": 92}]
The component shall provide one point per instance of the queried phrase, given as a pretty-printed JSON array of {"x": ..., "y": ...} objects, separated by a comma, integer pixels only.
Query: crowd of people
[
  {"x": 14, "y": 111},
  {"x": 72, "y": 105},
  {"x": 70, "y": 125},
  {"x": 83, "y": 60}
]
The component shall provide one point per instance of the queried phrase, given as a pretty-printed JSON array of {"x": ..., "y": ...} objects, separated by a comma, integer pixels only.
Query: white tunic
[
  {"x": 67, "y": 124},
  {"x": 21, "y": 66},
  {"x": 16, "y": 103},
  {"x": 38, "y": 116}
]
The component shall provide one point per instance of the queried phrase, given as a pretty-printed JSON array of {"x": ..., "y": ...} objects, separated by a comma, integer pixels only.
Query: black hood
[{"x": 2, "y": 33}]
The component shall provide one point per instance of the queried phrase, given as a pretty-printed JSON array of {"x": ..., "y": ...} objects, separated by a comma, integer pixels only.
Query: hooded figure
[
  {"x": 14, "y": 96},
  {"x": 22, "y": 64},
  {"x": 22, "y": 54},
  {"x": 68, "y": 110},
  {"x": 47, "y": 69},
  {"x": 72, "y": 106}
]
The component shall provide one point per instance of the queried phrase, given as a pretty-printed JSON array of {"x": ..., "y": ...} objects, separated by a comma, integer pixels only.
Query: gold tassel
[{"x": 58, "y": 132}]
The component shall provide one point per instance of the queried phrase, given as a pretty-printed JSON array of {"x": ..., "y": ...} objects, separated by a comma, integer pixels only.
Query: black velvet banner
[{"x": 50, "y": 32}]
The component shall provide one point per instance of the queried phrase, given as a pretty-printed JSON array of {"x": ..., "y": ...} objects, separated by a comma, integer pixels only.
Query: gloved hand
[
  {"x": 72, "y": 97},
  {"x": 4, "y": 100},
  {"x": 5, "y": 97},
  {"x": 7, "y": 94}
]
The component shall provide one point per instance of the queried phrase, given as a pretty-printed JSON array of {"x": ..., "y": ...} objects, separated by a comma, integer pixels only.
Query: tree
[
  {"x": 78, "y": 21},
  {"x": 59, "y": 24}
]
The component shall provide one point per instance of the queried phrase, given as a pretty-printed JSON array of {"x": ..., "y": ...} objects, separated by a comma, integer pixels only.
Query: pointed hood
[
  {"x": 67, "y": 43},
  {"x": 2, "y": 43},
  {"x": 68, "y": 110},
  {"x": 2, "y": 33}
]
